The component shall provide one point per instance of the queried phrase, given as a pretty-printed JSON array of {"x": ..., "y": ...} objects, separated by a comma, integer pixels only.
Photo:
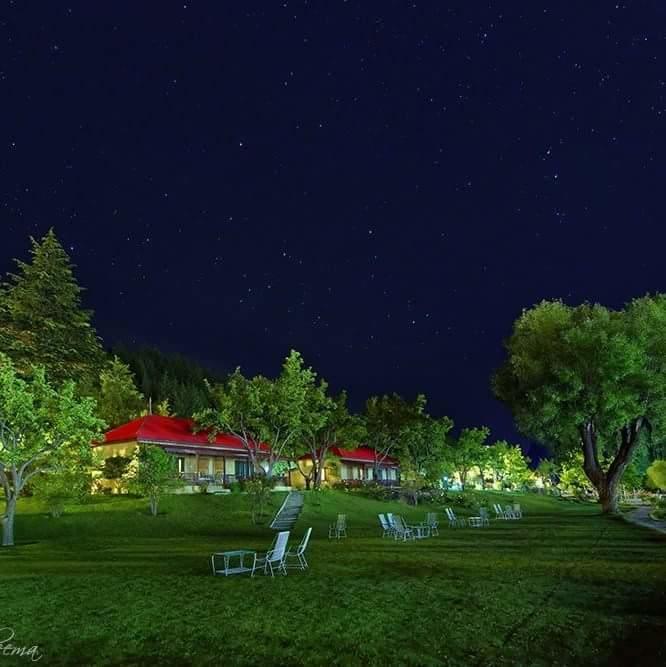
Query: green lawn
[{"x": 108, "y": 584}]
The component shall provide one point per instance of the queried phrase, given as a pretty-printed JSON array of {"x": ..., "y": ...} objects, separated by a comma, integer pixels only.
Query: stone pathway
[{"x": 641, "y": 517}]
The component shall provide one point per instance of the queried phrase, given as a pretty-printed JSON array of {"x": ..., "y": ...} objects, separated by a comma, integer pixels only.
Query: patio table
[
  {"x": 421, "y": 530},
  {"x": 231, "y": 567}
]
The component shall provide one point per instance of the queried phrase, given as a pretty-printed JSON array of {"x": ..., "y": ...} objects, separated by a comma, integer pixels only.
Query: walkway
[{"x": 641, "y": 517}]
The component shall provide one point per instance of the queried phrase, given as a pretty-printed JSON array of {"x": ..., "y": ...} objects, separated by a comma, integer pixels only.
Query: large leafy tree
[
  {"x": 588, "y": 379},
  {"x": 509, "y": 465},
  {"x": 41, "y": 427},
  {"x": 467, "y": 451},
  {"x": 119, "y": 400},
  {"x": 330, "y": 424},
  {"x": 42, "y": 322},
  {"x": 423, "y": 447},
  {"x": 260, "y": 410},
  {"x": 385, "y": 420}
]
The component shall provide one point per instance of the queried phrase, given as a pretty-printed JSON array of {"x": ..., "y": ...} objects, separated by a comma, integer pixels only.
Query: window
[{"x": 242, "y": 469}]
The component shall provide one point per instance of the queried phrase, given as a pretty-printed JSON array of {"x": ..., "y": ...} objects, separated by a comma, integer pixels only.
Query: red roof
[
  {"x": 362, "y": 454},
  {"x": 156, "y": 429}
]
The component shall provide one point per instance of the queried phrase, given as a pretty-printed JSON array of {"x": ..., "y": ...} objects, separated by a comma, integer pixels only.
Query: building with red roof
[
  {"x": 225, "y": 458},
  {"x": 222, "y": 459},
  {"x": 353, "y": 466}
]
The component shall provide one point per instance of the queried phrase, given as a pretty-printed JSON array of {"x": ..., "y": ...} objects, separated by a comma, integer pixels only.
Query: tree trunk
[
  {"x": 153, "y": 505},
  {"x": 607, "y": 483},
  {"x": 8, "y": 523},
  {"x": 608, "y": 497}
]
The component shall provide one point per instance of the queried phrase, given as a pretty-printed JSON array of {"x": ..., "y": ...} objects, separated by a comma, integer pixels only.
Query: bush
[
  {"x": 259, "y": 490},
  {"x": 115, "y": 467},
  {"x": 659, "y": 511}
]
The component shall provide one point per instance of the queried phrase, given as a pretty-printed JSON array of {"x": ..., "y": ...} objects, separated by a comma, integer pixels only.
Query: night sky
[{"x": 382, "y": 186}]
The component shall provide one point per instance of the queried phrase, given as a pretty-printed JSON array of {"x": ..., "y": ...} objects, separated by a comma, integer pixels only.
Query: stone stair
[{"x": 289, "y": 511}]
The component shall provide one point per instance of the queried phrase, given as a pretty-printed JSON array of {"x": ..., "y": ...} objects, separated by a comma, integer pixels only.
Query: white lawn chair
[
  {"x": 454, "y": 521},
  {"x": 517, "y": 510},
  {"x": 510, "y": 514},
  {"x": 432, "y": 522},
  {"x": 339, "y": 528},
  {"x": 298, "y": 554},
  {"x": 499, "y": 512},
  {"x": 386, "y": 526},
  {"x": 401, "y": 531},
  {"x": 274, "y": 559},
  {"x": 481, "y": 520}
]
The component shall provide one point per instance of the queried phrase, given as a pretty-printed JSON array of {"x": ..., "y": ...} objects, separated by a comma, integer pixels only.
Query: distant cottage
[{"x": 224, "y": 460}]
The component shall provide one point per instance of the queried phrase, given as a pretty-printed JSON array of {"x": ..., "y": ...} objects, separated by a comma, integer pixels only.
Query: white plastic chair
[
  {"x": 274, "y": 559},
  {"x": 454, "y": 521},
  {"x": 499, "y": 512},
  {"x": 401, "y": 530},
  {"x": 432, "y": 522},
  {"x": 517, "y": 510},
  {"x": 386, "y": 526},
  {"x": 339, "y": 528},
  {"x": 299, "y": 553}
]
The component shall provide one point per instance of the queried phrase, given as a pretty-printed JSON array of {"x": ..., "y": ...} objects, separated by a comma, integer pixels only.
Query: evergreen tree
[
  {"x": 119, "y": 400},
  {"x": 42, "y": 322},
  {"x": 170, "y": 377}
]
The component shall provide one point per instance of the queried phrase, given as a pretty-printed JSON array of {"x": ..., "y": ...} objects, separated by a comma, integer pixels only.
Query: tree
[
  {"x": 510, "y": 466},
  {"x": 573, "y": 478},
  {"x": 260, "y": 410},
  {"x": 65, "y": 483},
  {"x": 467, "y": 452},
  {"x": 42, "y": 322},
  {"x": 151, "y": 473},
  {"x": 590, "y": 379},
  {"x": 656, "y": 474},
  {"x": 330, "y": 424},
  {"x": 119, "y": 400},
  {"x": 385, "y": 418},
  {"x": 172, "y": 377},
  {"x": 423, "y": 447},
  {"x": 41, "y": 426},
  {"x": 547, "y": 470}
]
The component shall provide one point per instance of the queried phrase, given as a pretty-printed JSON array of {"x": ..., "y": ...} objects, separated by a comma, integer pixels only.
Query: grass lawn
[{"x": 108, "y": 584}]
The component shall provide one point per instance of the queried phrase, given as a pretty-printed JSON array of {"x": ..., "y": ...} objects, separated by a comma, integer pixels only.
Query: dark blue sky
[{"x": 383, "y": 186}]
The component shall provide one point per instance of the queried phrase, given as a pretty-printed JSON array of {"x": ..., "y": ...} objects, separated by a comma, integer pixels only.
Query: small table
[
  {"x": 228, "y": 557},
  {"x": 421, "y": 530}
]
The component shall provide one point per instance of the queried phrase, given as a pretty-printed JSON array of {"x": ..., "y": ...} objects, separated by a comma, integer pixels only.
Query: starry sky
[{"x": 380, "y": 185}]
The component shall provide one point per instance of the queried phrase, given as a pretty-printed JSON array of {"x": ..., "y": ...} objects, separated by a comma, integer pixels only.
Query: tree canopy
[
  {"x": 260, "y": 410},
  {"x": 588, "y": 378},
  {"x": 42, "y": 321},
  {"x": 119, "y": 400},
  {"x": 40, "y": 427}
]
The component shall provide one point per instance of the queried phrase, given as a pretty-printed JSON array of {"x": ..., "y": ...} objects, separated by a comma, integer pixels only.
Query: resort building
[
  {"x": 351, "y": 466},
  {"x": 225, "y": 460},
  {"x": 222, "y": 461}
]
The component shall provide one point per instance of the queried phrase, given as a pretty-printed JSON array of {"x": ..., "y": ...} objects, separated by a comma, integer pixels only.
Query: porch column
[{"x": 196, "y": 466}]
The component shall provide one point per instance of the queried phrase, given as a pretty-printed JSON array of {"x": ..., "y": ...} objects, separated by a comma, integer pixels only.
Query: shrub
[
  {"x": 259, "y": 490},
  {"x": 115, "y": 467}
]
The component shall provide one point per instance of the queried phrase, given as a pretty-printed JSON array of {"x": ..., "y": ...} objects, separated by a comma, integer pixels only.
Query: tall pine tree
[
  {"x": 42, "y": 321},
  {"x": 119, "y": 400}
]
